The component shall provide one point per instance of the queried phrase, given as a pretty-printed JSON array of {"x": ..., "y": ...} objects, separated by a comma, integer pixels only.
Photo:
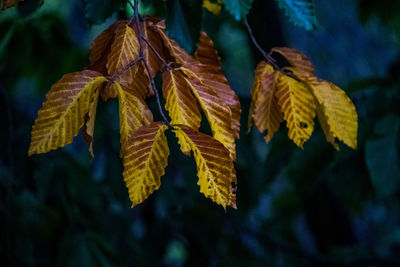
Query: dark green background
[{"x": 311, "y": 207}]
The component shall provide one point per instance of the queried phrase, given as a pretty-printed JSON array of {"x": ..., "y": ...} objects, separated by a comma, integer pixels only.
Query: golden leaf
[
  {"x": 215, "y": 169},
  {"x": 338, "y": 114},
  {"x": 180, "y": 102},
  {"x": 211, "y": 75},
  {"x": 265, "y": 111},
  {"x": 300, "y": 63},
  {"x": 101, "y": 47},
  {"x": 217, "y": 112},
  {"x": 145, "y": 158},
  {"x": 124, "y": 50},
  {"x": 133, "y": 113},
  {"x": 63, "y": 112},
  {"x": 214, "y": 8},
  {"x": 298, "y": 108}
]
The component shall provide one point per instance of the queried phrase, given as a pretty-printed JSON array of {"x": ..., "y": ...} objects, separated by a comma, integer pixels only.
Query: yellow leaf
[
  {"x": 265, "y": 111},
  {"x": 217, "y": 112},
  {"x": 298, "y": 108},
  {"x": 338, "y": 112},
  {"x": 89, "y": 123},
  {"x": 180, "y": 102},
  {"x": 133, "y": 113},
  {"x": 215, "y": 169},
  {"x": 145, "y": 159},
  {"x": 300, "y": 63},
  {"x": 63, "y": 112},
  {"x": 124, "y": 50},
  {"x": 214, "y": 8},
  {"x": 210, "y": 72}
]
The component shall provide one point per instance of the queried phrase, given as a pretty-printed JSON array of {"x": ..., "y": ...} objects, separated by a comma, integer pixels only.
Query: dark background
[{"x": 311, "y": 207}]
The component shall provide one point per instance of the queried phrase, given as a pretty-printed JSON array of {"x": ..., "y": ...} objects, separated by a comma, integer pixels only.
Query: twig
[
  {"x": 119, "y": 73},
  {"x": 153, "y": 86},
  {"x": 267, "y": 56}
]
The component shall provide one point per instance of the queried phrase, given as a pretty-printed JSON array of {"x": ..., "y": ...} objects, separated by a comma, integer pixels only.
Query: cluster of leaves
[
  {"x": 294, "y": 94},
  {"x": 123, "y": 67}
]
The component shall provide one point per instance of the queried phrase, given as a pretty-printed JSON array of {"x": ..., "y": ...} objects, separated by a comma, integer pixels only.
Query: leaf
[
  {"x": 217, "y": 112},
  {"x": 184, "y": 22},
  {"x": 97, "y": 11},
  {"x": 217, "y": 178},
  {"x": 298, "y": 108},
  {"x": 133, "y": 113},
  {"x": 338, "y": 112},
  {"x": 212, "y": 76},
  {"x": 89, "y": 123},
  {"x": 64, "y": 110},
  {"x": 180, "y": 102},
  {"x": 382, "y": 156},
  {"x": 124, "y": 50},
  {"x": 101, "y": 47},
  {"x": 300, "y": 12},
  {"x": 265, "y": 111},
  {"x": 238, "y": 8},
  {"x": 301, "y": 65},
  {"x": 214, "y": 8},
  {"x": 145, "y": 160}
]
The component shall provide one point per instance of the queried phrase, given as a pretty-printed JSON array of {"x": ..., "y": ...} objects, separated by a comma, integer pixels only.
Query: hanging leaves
[{"x": 300, "y": 97}]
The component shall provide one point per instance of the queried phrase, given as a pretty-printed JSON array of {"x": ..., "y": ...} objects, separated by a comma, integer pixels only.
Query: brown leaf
[{"x": 300, "y": 63}]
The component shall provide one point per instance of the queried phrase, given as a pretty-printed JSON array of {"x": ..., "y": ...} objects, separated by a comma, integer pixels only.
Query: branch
[
  {"x": 155, "y": 52},
  {"x": 140, "y": 37},
  {"x": 267, "y": 56}
]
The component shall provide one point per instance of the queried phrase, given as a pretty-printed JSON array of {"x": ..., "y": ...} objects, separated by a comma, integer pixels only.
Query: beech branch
[
  {"x": 266, "y": 55},
  {"x": 136, "y": 15}
]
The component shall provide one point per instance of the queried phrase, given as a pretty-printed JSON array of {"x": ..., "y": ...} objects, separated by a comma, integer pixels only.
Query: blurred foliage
[{"x": 311, "y": 207}]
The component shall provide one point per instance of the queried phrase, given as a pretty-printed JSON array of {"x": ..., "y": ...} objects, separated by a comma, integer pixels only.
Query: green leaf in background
[
  {"x": 238, "y": 8},
  {"x": 382, "y": 156},
  {"x": 300, "y": 12},
  {"x": 97, "y": 11},
  {"x": 184, "y": 22}
]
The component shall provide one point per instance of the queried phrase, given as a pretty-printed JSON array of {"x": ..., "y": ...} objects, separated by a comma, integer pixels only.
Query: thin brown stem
[
  {"x": 140, "y": 37},
  {"x": 267, "y": 56},
  {"x": 155, "y": 52},
  {"x": 129, "y": 65}
]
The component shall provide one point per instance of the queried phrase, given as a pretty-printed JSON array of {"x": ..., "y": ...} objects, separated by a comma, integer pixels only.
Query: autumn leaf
[
  {"x": 264, "y": 110},
  {"x": 124, "y": 50},
  {"x": 300, "y": 64},
  {"x": 145, "y": 159},
  {"x": 298, "y": 108},
  {"x": 63, "y": 112},
  {"x": 133, "y": 113},
  {"x": 90, "y": 117},
  {"x": 217, "y": 112},
  {"x": 214, "y": 8},
  {"x": 211, "y": 75},
  {"x": 180, "y": 102},
  {"x": 215, "y": 170},
  {"x": 337, "y": 112}
]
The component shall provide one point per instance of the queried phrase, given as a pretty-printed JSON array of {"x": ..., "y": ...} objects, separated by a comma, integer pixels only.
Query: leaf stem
[
  {"x": 140, "y": 37},
  {"x": 267, "y": 56},
  {"x": 166, "y": 65}
]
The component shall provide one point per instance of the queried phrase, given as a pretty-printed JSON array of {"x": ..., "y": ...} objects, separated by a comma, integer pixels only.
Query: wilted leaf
[
  {"x": 238, "y": 8},
  {"x": 180, "y": 102},
  {"x": 217, "y": 112},
  {"x": 184, "y": 22},
  {"x": 338, "y": 112},
  {"x": 298, "y": 108},
  {"x": 133, "y": 113},
  {"x": 63, "y": 112},
  {"x": 215, "y": 170},
  {"x": 382, "y": 156},
  {"x": 300, "y": 12},
  {"x": 145, "y": 158},
  {"x": 265, "y": 111},
  {"x": 124, "y": 50},
  {"x": 301, "y": 65}
]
